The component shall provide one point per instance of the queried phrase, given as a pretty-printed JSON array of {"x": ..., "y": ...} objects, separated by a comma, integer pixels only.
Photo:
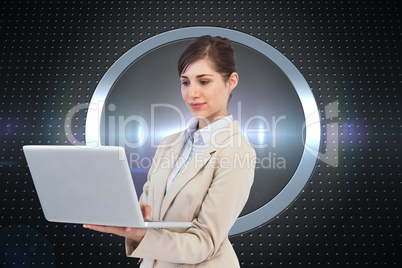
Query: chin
[{"x": 198, "y": 116}]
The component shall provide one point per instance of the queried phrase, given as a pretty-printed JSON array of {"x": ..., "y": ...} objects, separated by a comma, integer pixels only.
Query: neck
[{"x": 204, "y": 122}]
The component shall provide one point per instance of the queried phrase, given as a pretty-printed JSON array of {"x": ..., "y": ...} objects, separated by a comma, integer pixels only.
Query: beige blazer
[{"x": 210, "y": 191}]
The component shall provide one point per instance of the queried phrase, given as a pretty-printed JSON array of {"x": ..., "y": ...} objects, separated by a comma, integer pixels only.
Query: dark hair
[{"x": 218, "y": 50}]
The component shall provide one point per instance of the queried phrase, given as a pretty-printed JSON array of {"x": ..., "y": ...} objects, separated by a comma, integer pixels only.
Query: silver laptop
[{"x": 84, "y": 184}]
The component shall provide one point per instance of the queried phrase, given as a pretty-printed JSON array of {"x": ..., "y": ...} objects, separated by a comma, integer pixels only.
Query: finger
[
  {"x": 129, "y": 232},
  {"x": 146, "y": 211},
  {"x": 106, "y": 229}
]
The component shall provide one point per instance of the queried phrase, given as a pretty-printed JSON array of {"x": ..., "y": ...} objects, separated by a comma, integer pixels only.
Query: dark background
[{"x": 53, "y": 54}]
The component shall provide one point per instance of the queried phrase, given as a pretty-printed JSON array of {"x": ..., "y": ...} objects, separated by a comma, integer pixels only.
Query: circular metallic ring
[{"x": 312, "y": 119}]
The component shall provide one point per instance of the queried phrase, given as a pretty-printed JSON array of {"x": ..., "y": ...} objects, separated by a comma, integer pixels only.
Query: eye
[
  {"x": 204, "y": 82},
  {"x": 184, "y": 83}
]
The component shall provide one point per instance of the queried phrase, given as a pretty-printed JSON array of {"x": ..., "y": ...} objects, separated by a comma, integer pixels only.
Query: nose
[{"x": 193, "y": 91}]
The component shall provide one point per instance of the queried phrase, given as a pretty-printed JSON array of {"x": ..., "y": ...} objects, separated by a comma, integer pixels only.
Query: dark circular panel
[{"x": 141, "y": 104}]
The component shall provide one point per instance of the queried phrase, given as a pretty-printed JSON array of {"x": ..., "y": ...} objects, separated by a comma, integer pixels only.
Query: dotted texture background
[{"x": 53, "y": 54}]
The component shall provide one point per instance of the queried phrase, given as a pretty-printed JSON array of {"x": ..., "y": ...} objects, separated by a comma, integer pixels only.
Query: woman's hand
[{"x": 135, "y": 234}]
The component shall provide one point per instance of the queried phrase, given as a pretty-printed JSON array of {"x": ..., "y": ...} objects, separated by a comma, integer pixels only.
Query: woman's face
[{"x": 205, "y": 92}]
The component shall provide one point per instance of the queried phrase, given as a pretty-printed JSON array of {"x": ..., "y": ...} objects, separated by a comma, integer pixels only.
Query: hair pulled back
[{"x": 219, "y": 50}]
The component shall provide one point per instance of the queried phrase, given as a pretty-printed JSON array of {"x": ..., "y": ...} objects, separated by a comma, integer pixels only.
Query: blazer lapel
[
  {"x": 197, "y": 162},
  {"x": 186, "y": 174},
  {"x": 162, "y": 172}
]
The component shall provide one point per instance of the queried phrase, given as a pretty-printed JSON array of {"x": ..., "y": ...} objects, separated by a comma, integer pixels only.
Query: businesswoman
[{"x": 202, "y": 174}]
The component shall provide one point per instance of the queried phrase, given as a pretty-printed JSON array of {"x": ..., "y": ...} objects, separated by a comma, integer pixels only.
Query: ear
[{"x": 232, "y": 81}]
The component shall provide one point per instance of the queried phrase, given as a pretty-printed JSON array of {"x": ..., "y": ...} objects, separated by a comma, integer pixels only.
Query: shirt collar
[{"x": 203, "y": 136}]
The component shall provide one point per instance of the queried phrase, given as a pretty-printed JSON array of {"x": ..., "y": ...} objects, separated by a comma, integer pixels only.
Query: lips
[{"x": 197, "y": 105}]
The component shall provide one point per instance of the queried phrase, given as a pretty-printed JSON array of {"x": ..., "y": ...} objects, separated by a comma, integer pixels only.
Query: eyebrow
[{"x": 198, "y": 76}]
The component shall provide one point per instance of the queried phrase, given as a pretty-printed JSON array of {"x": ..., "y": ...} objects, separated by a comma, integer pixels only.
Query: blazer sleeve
[{"x": 225, "y": 199}]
